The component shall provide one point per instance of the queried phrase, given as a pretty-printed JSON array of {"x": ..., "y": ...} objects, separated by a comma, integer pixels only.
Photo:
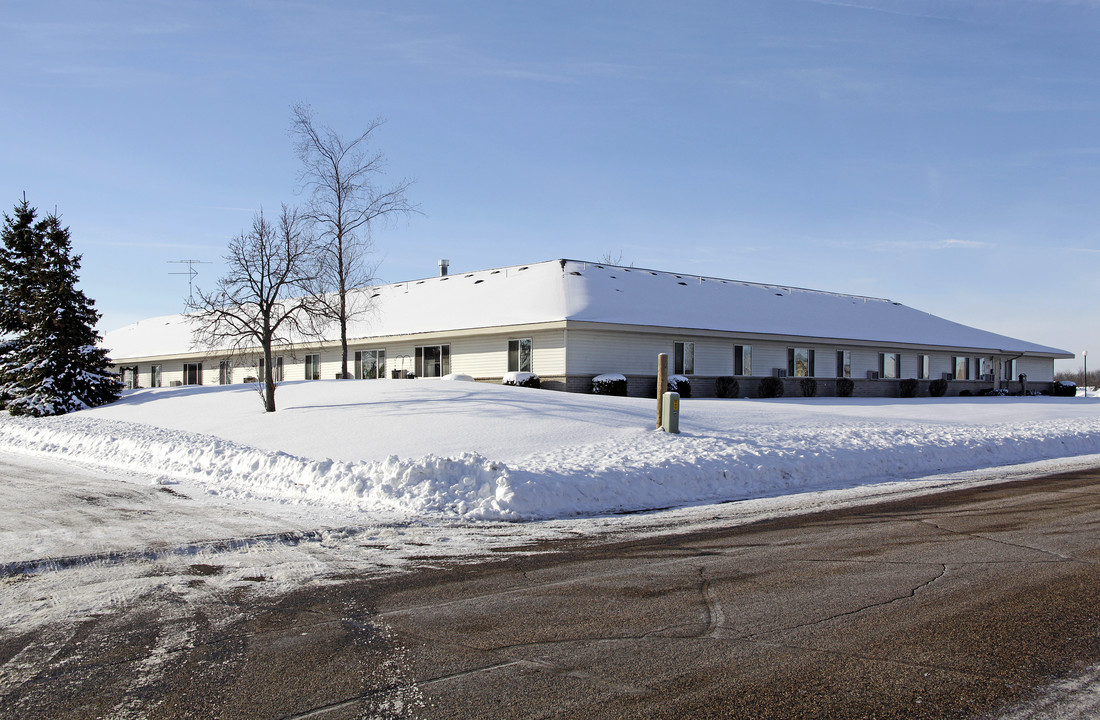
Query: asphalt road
[{"x": 955, "y": 605}]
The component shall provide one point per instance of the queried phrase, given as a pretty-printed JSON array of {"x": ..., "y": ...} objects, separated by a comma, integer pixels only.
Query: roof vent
[{"x": 444, "y": 266}]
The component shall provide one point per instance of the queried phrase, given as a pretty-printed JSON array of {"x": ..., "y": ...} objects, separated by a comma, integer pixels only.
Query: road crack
[{"x": 870, "y": 606}]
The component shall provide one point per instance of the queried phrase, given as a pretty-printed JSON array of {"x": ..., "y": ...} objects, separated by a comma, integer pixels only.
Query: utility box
[{"x": 670, "y": 412}]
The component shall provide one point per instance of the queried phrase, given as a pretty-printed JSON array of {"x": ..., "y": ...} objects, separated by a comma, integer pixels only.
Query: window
[
  {"x": 923, "y": 367},
  {"x": 433, "y": 360},
  {"x": 889, "y": 365},
  {"x": 981, "y": 368},
  {"x": 370, "y": 364},
  {"x": 154, "y": 376},
  {"x": 519, "y": 355},
  {"x": 192, "y": 373},
  {"x": 742, "y": 359},
  {"x": 129, "y": 377},
  {"x": 800, "y": 362},
  {"x": 225, "y": 373},
  {"x": 962, "y": 368},
  {"x": 276, "y": 369},
  {"x": 313, "y": 367},
  {"x": 844, "y": 363},
  {"x": 1009, "y": 369},
  {"x": 684, "y": 359}
]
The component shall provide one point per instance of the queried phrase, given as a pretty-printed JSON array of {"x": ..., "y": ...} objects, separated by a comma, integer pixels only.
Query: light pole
[{"x": 1085, "y": 357}]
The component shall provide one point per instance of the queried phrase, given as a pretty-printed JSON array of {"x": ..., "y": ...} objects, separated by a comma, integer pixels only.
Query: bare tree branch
[
  {"x": 264, "y": 299},
  {"x": 342, "y": 178}
]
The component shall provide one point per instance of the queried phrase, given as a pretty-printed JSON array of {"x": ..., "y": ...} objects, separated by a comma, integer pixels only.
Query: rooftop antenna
[{"x": 190, "y": 273}]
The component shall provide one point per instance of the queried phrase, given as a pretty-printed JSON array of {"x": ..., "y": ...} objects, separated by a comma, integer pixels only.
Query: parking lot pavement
[{"x": 960, "y": 604}]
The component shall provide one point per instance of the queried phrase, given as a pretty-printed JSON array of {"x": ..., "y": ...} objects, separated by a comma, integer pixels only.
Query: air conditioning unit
[
  {"x": 779, "y": 372},
  {"x": 872, "y": 374},
  {"x": 988, "y": 377},
  {"x": 948, "y": 376}
]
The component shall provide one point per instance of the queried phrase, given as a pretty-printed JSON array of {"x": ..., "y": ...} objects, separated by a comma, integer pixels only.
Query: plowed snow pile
[{"x": 477, "y": 451}]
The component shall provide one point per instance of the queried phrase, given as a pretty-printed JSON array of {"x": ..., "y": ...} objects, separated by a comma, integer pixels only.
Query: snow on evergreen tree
[{"x": 50, "y": 361}]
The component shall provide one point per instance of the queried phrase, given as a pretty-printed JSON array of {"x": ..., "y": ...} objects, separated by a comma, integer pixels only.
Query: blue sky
[{"x": 942, "y": 153}]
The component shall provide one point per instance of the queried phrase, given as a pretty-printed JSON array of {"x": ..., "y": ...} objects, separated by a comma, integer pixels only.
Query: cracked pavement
[
  {"x": 961, "y": 604},
  {"x": 955, "y": 605}
]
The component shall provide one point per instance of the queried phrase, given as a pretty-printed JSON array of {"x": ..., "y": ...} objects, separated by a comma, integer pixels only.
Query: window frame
[
  {"x": 444, "y": 363},
  {"x": 377, "y": 361},
  {"x": 844, "y": 363},
  {"x": 683, "y": 357},
  {"x": 517, "y": 358},
  {"x": 894, "y": 366},
  {"x": 742, "y": 360},
  {"x": 197, "y": 367},
  {"x": 154, "y": 376},
  {"x": 792, "y": 361},
  {"x": 312, "y": 362},
  {"x": 924, "y": 367},
  {"x": 225, "y": 372},
  {"x": 960, "y": 367}
]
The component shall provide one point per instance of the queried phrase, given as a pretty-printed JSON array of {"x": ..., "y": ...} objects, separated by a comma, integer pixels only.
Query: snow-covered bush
[
  {"x": 1064, "y": 388},
  {"x": 808, "y": 386},
  {"x": 679, "y": 384},
  {"x": 908, "y": 388},
  {"x": 458, "y": 377},
  {"x": 522, "y": 379},
  {"x": 845, "y": 387},
  {"x": 727, "y": 387},
  {"x": 609, "y": 384},
  {"x": 771, "y": 387},
  {"x": 937, "y": 388}
]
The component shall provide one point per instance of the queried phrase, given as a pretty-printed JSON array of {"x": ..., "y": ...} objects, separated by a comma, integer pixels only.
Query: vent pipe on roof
[{"x": 444, "y": 266}]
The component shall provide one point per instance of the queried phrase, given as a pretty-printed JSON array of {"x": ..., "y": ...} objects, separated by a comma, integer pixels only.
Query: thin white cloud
[
  {"x": 944, "y": 244},
  {"x": 892, "y": 8}
]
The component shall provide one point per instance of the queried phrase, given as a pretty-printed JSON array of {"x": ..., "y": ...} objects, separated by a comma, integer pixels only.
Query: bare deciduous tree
[
  {"x": 263, "y": 300},
  {"x": 343, "y": 178}
]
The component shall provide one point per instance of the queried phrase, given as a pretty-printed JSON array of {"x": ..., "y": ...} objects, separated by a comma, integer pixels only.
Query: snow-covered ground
[
  {"x": 472, "y": 451},
  {"x": 107, "y": 505}
]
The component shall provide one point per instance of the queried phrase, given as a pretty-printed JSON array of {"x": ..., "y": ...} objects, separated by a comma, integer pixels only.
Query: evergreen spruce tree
[
  {"x": 51, "y": 363},
  {"x": 18, "y": 267}
]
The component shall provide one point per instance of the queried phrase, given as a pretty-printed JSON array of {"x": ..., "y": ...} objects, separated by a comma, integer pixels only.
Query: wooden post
[{"x": 662, "y": 384}]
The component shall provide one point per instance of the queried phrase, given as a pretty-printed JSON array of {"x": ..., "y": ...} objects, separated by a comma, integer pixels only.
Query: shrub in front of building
[
  {"x": 908, "y": 388},
  {"x": 727, "y": 387},
  {"x": 680, "y": 384},
  {"x": 610, "y": 384},
  {"x": 937, "y": 388},
  {"x": 771, "y": 387},
  {"x": 845, "y": 387},
  {"x": 808, "y": 386},
  {"x": 527, "y": 380}
]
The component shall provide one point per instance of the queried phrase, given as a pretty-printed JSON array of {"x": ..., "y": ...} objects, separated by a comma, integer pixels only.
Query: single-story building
[{"x": 568, "y": 321}]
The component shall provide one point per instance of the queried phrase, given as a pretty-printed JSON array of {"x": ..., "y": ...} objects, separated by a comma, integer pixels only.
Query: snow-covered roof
[{"x": 561, "y": 290}]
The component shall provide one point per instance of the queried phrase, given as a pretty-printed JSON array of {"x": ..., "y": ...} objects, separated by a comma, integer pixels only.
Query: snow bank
[
  {"x": 467, "y": 485},
  {"x": 476, "y": 451}
]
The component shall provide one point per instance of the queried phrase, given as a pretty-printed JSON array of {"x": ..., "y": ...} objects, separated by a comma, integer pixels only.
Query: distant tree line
[
  {"x": 1078, "y": 376},
  {"x": 50, "y": 359}
]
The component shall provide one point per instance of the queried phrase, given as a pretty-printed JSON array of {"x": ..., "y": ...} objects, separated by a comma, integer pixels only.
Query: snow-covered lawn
[
  {"x": 101, "y": 507},
  {"x": 472, "y": 451}
]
